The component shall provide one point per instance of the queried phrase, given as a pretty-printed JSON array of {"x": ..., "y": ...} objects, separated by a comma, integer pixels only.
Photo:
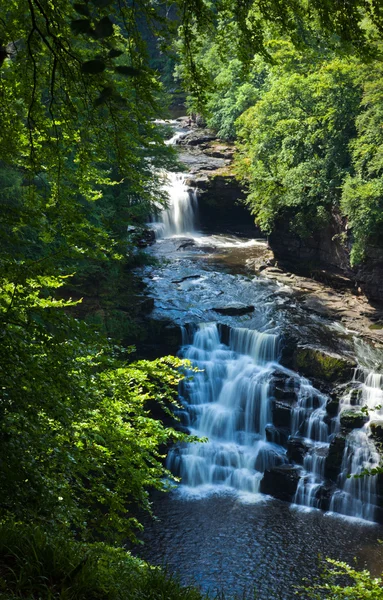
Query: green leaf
[
  {"x": 82, "y": 9},
  {"x": 104, "y": 28},
  {"x": 101, "y": 3},
  {"x": 93, "y": 67},
  {"x": 81, "y": 26},
  {"x": 128, "y": 71},
  {"x": 115, "y": 53}
]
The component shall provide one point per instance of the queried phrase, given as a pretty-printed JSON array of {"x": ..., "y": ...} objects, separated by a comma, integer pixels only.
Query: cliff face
[{"x": 327, "y": 254}]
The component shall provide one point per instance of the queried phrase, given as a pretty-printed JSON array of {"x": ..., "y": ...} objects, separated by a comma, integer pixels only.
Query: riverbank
[{"x": 331, "y": 293}]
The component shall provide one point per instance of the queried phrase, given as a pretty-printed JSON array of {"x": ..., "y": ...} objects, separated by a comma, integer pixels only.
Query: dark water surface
[{"x": 222, "y": 542}]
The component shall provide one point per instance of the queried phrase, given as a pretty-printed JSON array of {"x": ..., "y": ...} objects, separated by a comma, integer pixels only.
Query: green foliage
[
  {"x": 294, "y": 143},
  {"x": 362, "y": 199},
  {"x": 37, "y": 564},
  {"x": 78, "y": 442},
  {"x": 360, "y": 584}
]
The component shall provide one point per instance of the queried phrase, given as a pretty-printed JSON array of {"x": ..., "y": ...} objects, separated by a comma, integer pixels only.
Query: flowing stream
[{"x": 260, "y": 419}]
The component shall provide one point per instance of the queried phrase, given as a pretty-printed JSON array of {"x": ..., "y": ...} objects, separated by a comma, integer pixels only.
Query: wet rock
[
  {"x": 283, "y": 388},
  {"x": 332, "y": 405},
  {"x": 335, "y": 457},
  {"x": 379, "y": 485},
  {"x": 234, "y": 309},
  {"x": 162, "y": 337},
  {"x": 185, "y": 245},
  {"x": 281, "y": 482},
  {"x": 377, "y": 430},
  {"x": 297, "y": 449},
  {"x": 282, "y": 414},
  {"x": 288, "y": 346},
  {"x": 319, "y": 364},
  {"x": 277, "y": 435},
  {"x": 324, "y": 495},
  {"x": 197, "y": 137},
  {"x": 224, "y": 333},
  {"x": 185, "y": 278},
  {"x": 356, "y": 396},
  {"x": 352, "y": 419}
]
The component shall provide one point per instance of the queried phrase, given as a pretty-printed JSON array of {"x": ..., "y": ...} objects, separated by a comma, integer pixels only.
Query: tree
[{"x": 294, "y": 142}]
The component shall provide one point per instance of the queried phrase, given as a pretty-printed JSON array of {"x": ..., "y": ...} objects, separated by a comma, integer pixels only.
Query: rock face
[
  {"x": 377, "y": 432},
  {"x": 281, "y": 482},
  {"x": 220, "y": 197},
  {"x": 321, "y": 365},
  {"x": 297, "y": 448},
  {"x": 160, "y": 338},
  {"x": 325, "y": 255},
  {"x": 352, "y": 419},
  {"x": 335, "y": 456}
]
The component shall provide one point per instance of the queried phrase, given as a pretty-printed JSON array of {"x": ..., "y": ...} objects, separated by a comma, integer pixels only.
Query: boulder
[
  {"x": 356, "y": 396},
  {"x": 376, "y": 428},
  {"x": 352, "y": 419},
  {"x": 277, "y": 435},
  {"x": 197, "y": 137},
  {"x": 161, "y": 337},
  {"x": 297, "y": 448},
  {"x": 281, "y": 482},
  {"x": 324, "y": 495},
  {"x": 282, "y": 414},
  {"x": 317, "y": 363},
  {"x": 332, "y": 405},
  {"x": 283, "y": 388},
  {"x": 335, "y": 457},
  {"x": 234, "y": 309}
]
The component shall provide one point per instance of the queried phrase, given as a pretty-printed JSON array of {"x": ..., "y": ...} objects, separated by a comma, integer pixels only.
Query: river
[{"x": 217, "y": 529}]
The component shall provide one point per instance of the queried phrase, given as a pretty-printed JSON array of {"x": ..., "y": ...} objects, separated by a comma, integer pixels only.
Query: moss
[
  {"x": 376, "y": 326},
  {"x": 319, "y": 364},
  {"x": 352, "y": 419}
]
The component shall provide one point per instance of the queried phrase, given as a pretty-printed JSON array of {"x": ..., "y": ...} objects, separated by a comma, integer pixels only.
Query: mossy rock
[
  {"x": 352, "y": 419},
  {"x": 356, "y": 396},
  {"x": 319, "y": 364},
  {"x": 376, "y": 428}
]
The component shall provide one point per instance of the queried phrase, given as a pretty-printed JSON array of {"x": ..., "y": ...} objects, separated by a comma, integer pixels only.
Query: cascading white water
[
  {"x": 308, "y": 421},
  {"x": 230, "y": 404},
  {"x": 357, "y": 495},
  {"x": 181, "y": 214}
]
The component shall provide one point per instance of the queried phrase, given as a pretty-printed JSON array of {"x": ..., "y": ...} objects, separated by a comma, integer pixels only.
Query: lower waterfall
[{"x": 257, "y": 416}]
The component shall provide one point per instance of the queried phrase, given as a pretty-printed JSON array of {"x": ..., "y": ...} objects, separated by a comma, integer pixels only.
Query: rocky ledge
[{"x": 220, "y": 197}]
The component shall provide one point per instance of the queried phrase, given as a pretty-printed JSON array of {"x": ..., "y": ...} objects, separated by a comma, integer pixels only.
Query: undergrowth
[{"x": 38, "y": 565}]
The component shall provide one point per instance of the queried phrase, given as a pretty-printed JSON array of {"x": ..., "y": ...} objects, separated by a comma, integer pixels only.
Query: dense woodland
[{"x": 298, "y": 86}]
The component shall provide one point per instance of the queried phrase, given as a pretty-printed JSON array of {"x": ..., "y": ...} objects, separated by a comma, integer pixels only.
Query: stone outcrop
[
  {"x": 236, "y": 308},
  {"x": 352, "y": 419},
  {"x": 322, "y": 365},
  {"x": 325, "y": 256},
  {"x": 297, "y": 449},
  {"x": 281, "y": 482},
  {"x": 335, "y": 457},
  {"x": 282, "y": 414}
]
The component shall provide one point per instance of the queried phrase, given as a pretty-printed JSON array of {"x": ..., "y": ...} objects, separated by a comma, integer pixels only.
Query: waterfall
[
  {"x": 229, "y": 403},
  {"x": 308, "y": 421},
  {"x": 357, "y": 495},
  {"x": 181, "y": 214},
  {"x": 254, "y": 412}
]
